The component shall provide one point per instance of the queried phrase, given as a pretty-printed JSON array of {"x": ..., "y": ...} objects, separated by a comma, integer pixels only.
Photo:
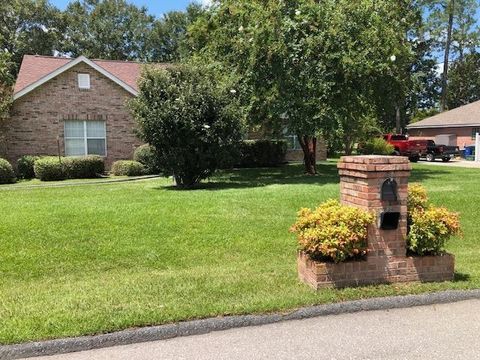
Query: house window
[
  {"x": 292, "y": 141},
  {"x": 84, "y": 81},
  {"x": 474, "y": 133},
  {"x": 85, "y": 138}
]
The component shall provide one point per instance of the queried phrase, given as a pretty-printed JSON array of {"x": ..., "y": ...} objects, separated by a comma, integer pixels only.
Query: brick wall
[
  {"x": 38, "y": 117},
  {"x": 297, "y": 155},
  {"x": 464, "y": 134}
]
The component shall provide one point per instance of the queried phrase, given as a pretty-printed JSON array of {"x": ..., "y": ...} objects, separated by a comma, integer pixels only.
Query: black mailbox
[
  {"x": 389, "y": 220},
  {"x": 389, "y": 190}
]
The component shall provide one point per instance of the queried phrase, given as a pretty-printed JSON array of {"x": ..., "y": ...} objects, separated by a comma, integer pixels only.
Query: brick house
[
  {"x": 456, "y": 127},
  {"x": 76, "y": 107}
]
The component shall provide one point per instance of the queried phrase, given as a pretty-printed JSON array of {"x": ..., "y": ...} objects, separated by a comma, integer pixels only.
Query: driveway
[
  {"x": 453, "y": 163},
  {"x": 448, "y": 331}
]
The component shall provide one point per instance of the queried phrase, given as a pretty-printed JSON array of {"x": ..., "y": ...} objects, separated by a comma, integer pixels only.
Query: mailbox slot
[{"x": 389, "y": 220}]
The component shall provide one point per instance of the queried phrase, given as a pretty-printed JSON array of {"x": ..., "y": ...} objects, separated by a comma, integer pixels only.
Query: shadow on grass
[
  {"x": 292, "y": 174},
  {"x": 258, "y": 177},
  {"x": 460, "y": 277}
]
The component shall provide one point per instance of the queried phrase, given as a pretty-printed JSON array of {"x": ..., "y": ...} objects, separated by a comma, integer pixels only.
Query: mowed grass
[{"x": 99, "y": 258}]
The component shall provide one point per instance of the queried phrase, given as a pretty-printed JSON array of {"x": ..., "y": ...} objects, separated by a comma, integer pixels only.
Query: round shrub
[
  {"x": 50, "y": 168},
  {"x": 429, "y": 227},
  {"x": 86, "y": 167},
  {"x": 7, "y": 175},
  {"x": 25, "y": 166},
  {"x": 376, "y": 146},
  {"x": 145, "y": 155},
  {"x": 189, "y": 116},
  {"x": 127, "y": 168},
  {"x": 333, "y": 232}
]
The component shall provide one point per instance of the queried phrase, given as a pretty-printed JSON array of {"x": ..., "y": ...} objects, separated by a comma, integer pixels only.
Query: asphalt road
[{"x": 448, "y": 331}]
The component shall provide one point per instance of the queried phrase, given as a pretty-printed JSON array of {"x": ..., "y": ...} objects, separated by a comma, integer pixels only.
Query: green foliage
[
  {"x": 29, "y": 27},
  {"x": 168, "y": 37},
  {"x": 145, "y": 155},
  {"x": 7, "y": 175},
  {"x": 109, "y": 29},
  {"x": 417, "y": 197},
  {"x": 50, "y": 168},
  {"x": 25, "y": 166},
  {"x": 86, "y": 167},
  {"x": 377, "y": 146},
  {"x": 262, "y": 153},
  {"x": 333, "y": 232},
  {"x": 189, "y": 116},
  {"x": 127, "y": 168},
  {"x": 464, "y": 81},
  {"x": 430, "y": 227},
  {"x": 313, "y": 68}
]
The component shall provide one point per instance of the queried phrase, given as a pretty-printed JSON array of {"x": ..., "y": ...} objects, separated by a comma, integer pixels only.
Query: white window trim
[{"x": 85, "y": 138}]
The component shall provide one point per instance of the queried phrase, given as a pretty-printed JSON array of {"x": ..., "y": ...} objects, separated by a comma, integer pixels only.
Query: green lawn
[{"x": 92, "y": 259}]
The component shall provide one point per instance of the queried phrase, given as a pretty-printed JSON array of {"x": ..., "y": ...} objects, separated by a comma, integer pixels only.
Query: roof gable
[{"x": 37, "y": 70}]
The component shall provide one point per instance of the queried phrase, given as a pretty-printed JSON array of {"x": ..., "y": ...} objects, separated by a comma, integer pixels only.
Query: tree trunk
[
  {"x": 451, "y": 11},
  {"x": 398, "y": 120},
  {"x": 309, "y": 147}
]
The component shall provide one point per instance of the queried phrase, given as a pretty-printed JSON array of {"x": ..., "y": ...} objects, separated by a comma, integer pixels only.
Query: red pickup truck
[{"x": 403, "y": 146}]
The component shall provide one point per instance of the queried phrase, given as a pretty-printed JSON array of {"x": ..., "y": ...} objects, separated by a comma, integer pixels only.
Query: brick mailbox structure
[{"x": 378, "y": 184}]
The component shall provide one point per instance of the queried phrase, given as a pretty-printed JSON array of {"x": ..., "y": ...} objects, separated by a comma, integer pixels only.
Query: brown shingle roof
[
  {"x": 36, "y": 67},
  {"x": 463, "y": 116}
]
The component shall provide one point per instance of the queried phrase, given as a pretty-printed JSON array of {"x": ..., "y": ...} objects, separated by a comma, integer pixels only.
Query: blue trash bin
[{"x": 469, "y": 150}]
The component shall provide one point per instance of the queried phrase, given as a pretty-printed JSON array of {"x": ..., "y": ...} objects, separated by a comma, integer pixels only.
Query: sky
[{"x": 155, "y": 7}]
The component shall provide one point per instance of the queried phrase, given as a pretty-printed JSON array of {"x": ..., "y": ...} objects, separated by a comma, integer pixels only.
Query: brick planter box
[
  {"x": 431, "y": 268},
  {"x": 362, "y": 185},
  {"x": 375, "y": 271}
]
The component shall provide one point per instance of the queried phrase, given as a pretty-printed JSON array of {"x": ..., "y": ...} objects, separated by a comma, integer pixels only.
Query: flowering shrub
[
  {"x": 430, "y": 227},
  {"x": 333, "y": 232}
]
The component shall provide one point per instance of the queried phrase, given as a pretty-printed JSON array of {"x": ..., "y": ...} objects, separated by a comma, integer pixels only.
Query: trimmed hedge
[
  {"x": 25, "y": 166},
  {"x": 262, "y": 153},
  {"x": 145, "y": 155},
  {"x": 87, "y": 167},
  {"x": 7, "y": 175},
  {"x": 52, "y": 168},
  {"x": 127, "y": 168}
]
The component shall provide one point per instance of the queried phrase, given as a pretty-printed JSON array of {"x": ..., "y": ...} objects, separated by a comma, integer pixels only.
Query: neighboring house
[
  {"x": 72, "y": 106},
  {"x": 456, "y": 127},
  {"x": 77, "y": 107}
]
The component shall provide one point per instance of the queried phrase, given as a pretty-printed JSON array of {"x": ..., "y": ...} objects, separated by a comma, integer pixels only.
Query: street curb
[{"x": 197, "y": 327}]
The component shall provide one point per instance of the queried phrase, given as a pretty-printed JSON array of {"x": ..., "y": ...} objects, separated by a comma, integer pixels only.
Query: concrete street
[{"x": 448, "y": 331}]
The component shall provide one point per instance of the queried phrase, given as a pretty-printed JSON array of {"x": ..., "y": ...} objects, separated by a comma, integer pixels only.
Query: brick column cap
[{"x": 374, "y": 163}]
